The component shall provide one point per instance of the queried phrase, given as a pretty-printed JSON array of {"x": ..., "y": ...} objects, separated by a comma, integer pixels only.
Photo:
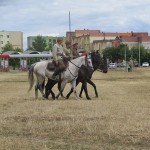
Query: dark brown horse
[{"x": 84, "y": 76}]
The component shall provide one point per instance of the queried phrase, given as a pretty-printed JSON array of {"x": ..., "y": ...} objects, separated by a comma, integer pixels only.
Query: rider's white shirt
[{"x": 57, "y": 50}]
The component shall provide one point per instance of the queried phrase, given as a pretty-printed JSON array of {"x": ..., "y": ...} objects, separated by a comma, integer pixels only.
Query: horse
[
  {"x": 68, "y": 76},
  {"x": 84, "y": 76}
]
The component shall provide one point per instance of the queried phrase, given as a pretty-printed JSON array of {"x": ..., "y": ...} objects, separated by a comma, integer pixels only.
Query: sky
[{"x": 51, "y": 17}]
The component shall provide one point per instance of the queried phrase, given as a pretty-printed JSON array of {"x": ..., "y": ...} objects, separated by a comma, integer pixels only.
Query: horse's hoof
[
  {"x": 96, "y": 96},
  {"x": 88, "y": 98},
  {"x": 77, "y": 98},
  {"x": 43, "y": 98}
]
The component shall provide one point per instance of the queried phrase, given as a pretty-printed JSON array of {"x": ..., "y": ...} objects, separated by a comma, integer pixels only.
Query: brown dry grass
[{"x": 118, "y": 119}]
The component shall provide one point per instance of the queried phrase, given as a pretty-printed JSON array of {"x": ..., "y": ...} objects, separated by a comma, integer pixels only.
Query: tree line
[
  {"x": 114, "y": 54},
  {"x": 118, "y": 54}
]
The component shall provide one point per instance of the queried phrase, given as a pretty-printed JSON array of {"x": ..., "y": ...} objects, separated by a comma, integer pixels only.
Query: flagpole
[
  {"x": 70, "y": 33},
  {"x": 69, "y": 22}
]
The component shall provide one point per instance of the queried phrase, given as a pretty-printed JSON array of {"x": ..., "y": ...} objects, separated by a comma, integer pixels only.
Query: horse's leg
[
  {"x": 41, "y": 88},
  {"x": 48, "y": 92},
  {"x": 94, "y": 86},
  {"x": 36, "y": 90},
  {"x": 53, "y": 95},
  {"x": 41, "y": 82},
  {"x": 73, "y": 83},
  {"x": 59, "y": 88},
  {"x": 84, "y": 84},
  {"x": 68, "y": 95},
  {"x": 63, "y": 84},
  {"x": 48, "y": 88},
  {"x": 59, "y": 85},
  {"x": 80, "y": 95},
  {"x": 71, "y": 90}
]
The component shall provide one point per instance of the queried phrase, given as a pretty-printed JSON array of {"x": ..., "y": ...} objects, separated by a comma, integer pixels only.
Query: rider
[
  {"x": 67, "y": 48},
  {"x": 57, "y": 56},
  {"x": 75, "y": 53}
]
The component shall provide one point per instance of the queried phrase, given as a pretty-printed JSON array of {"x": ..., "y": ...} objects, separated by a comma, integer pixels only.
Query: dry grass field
[{"x": 118, "y": 120}]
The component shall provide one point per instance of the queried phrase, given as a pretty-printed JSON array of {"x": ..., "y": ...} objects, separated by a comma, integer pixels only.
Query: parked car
[
  {"x": 112, "y": 65},
  {"x": 120, "y": 65},
  {"x": 136, "y": 64},
  {"x": 145, "y": 64}
]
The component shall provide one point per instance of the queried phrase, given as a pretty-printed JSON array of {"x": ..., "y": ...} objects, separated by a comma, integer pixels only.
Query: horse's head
[{"x": 99, "y": 62}]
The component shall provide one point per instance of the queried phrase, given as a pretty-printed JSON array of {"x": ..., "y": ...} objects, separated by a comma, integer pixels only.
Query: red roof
[
  {"x": 82, "y": 32},
  {"x": 4, "y": 56}
]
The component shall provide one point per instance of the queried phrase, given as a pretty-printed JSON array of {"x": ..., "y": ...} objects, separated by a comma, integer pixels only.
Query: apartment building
[
  {"x": 86, "y": 41},
  {"x": 97, "y": 40},
  {"x": 102, "y": 44},
  {"x": 49, "y": 40},
  {"x": 13, "y": 37}
]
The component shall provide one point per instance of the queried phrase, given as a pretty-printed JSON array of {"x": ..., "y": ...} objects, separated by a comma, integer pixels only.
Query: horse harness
[{"x": 71, "y": 72}]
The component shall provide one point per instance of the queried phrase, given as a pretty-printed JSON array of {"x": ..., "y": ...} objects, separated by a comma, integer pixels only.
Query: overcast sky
[{"x": 51, "y": 17}]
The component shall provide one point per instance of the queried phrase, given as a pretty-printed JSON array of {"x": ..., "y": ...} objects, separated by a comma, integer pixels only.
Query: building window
[
  {"x": 1, "y": 42},
  {"x": 7, "y": 41},
  {"x": 1, "y": 36},
  {"x": 54, "y": 41},
  {"x": 7, "y": 36},
  {"x": 50, "y": 40}
]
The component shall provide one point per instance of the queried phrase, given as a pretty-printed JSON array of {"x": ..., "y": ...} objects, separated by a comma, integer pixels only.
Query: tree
[
  {"x": 144, "y": 54},
  {"x": 8, "y": 47},
  {"x": 15, "y": 61},
  {"x": 39, "y": 44},
  {"x": 49, "y": 47},
  {"x": 18, "y": 50},
  {"x": 116, "y": 54}
]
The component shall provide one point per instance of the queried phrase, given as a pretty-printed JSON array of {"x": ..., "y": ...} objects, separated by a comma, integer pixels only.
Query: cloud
[{"x": 51, "y": 17}]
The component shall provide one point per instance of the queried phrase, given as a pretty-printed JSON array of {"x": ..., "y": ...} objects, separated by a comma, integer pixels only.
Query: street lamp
[
  {"x": 139, "y": 55},
  {"x": 125, "y": 57},
  {"x": 125, "y": 52}
]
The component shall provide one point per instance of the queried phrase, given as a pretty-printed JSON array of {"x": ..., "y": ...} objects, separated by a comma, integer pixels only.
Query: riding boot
[{"x": 54, "y": 76}]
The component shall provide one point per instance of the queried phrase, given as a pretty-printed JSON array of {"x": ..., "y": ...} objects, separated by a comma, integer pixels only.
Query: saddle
[{"x": 51, "y": 66}]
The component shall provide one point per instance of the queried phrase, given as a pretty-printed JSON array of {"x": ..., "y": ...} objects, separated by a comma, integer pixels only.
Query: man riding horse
[
  {"x": 58, "y": 53},
  {"x": 75, "y": 53}
]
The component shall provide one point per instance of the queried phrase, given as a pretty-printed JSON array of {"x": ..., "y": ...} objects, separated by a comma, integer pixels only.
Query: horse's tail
[{"x": 31, "y": 77}]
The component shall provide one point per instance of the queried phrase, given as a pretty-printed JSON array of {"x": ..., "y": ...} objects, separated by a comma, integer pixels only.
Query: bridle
[{"x": 76, "y": 66}]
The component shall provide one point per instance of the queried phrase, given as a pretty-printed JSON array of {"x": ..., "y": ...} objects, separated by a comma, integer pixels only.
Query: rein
[
  {"x": 74, "y": 64},
  {"x": 72, "y": 73}
]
